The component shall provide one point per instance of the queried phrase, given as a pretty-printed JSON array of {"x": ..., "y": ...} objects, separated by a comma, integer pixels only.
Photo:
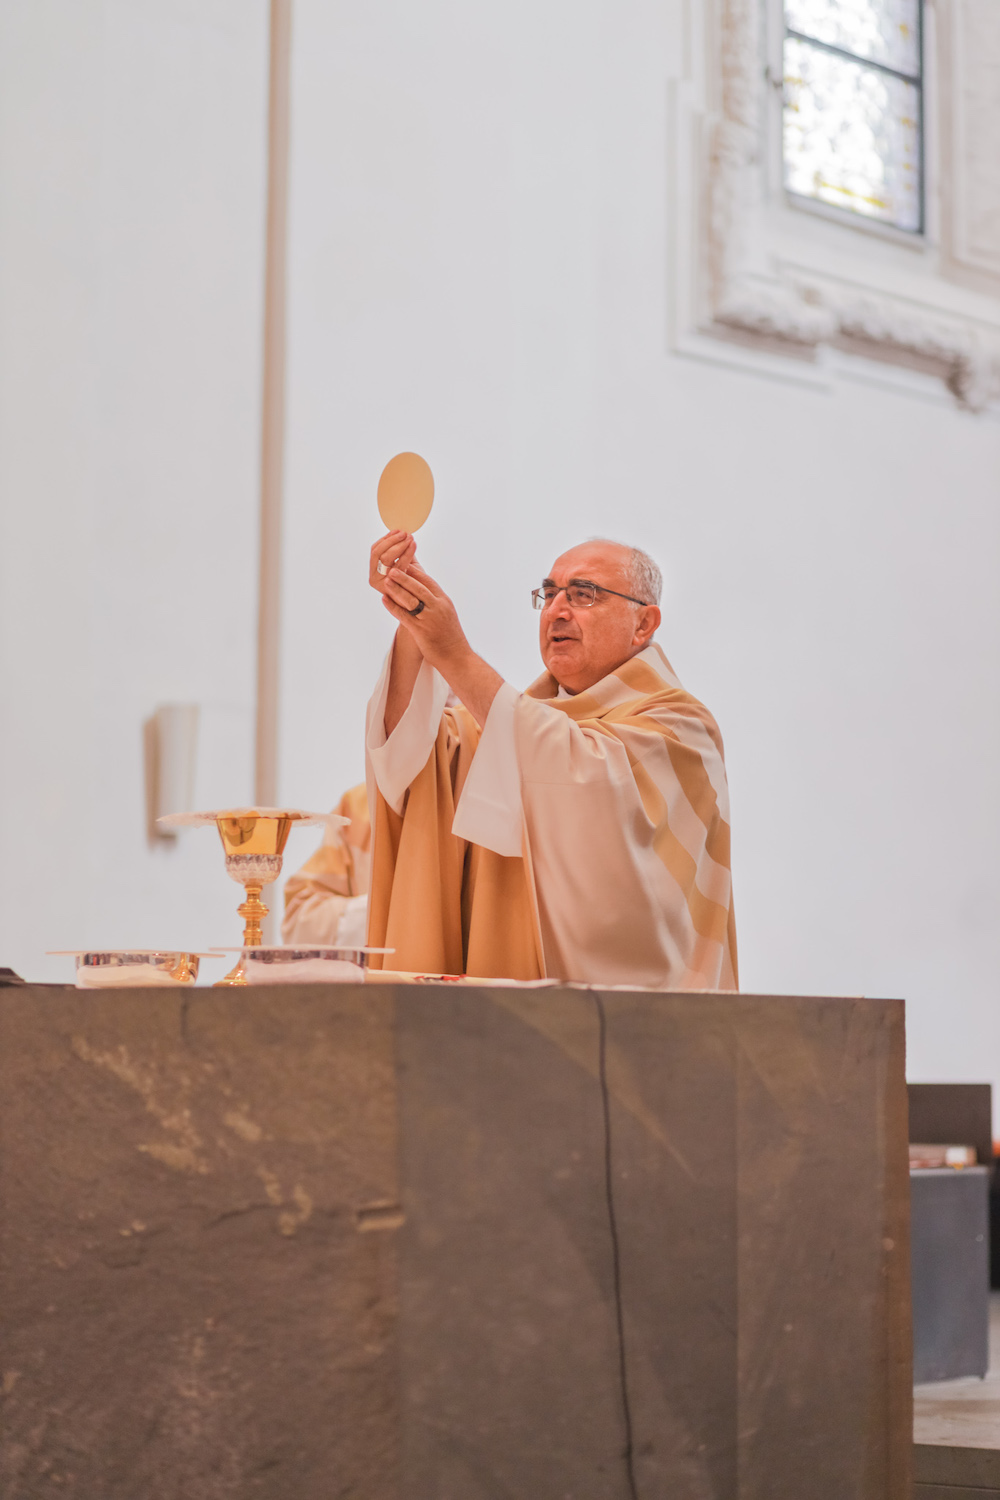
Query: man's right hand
[{"x": 397, "y": 549}]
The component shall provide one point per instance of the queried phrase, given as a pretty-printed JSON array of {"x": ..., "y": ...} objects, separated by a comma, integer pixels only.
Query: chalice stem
[{"x": 253, "y": 911}]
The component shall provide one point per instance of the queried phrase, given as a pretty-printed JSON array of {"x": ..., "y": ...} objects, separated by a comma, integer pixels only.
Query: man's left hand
[{"x": 424, "y": 610}]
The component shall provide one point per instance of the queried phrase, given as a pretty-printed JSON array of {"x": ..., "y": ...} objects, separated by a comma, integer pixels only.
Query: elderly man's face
[{"x": 580, "y": 646}]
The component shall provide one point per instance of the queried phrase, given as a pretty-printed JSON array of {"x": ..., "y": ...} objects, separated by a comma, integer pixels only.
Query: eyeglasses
[{"x": 580, "y": 594}]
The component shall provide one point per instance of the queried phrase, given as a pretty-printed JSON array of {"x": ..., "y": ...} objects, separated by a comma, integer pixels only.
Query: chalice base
[{"x": 236, "y": 975}]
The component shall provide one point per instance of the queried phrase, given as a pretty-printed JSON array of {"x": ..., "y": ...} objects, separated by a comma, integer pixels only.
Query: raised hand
[
  {"x": 429, "y": 629},
  {"x": 396, "y": 549},
  {"x": 426, "y": 613}
]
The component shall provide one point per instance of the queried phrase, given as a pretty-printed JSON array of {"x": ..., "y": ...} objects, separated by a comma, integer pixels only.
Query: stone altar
[{"x": 433, "y": 1242}]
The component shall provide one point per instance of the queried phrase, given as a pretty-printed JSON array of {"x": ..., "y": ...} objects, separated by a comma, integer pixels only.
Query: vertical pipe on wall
[{"x": 273, "y": 409}]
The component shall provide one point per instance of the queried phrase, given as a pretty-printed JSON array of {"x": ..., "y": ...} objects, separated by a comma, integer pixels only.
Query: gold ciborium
[{"x": 254, "y": 839}]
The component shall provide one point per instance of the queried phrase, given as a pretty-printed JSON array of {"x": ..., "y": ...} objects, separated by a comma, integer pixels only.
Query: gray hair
[{"x": 644, "y": 577}]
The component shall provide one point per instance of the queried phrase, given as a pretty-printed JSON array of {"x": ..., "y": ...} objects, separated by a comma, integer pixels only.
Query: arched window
[{"x": 853, "y": 107}]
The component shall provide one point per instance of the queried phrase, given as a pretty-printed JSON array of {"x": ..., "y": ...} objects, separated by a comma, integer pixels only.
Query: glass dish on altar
[
  {"x": 319, "y": 964},
  {"x": 124, "y": 968}
]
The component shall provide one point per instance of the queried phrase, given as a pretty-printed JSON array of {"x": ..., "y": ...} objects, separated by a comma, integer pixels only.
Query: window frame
[
  {"x": 798, "y": 291},
  {"x": 833, "y": 213}
]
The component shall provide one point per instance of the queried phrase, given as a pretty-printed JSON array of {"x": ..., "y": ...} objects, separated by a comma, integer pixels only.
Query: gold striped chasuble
[{"x": 625, "y": 873}]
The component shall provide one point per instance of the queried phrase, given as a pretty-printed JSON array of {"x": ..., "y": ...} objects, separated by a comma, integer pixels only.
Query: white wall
[
  {"x": 478, "y": 271},
  {"x": 131, "y": 230},
  {"x": 478, "y": 253}
]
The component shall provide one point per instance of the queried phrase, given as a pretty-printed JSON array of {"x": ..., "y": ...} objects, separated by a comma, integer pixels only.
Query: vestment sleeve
[
  {"x": 397, "y": 760},
  {"x": 524, "y": 739},
  {"x": 552, "y": 748},
  {"x": 489, "y": 811}
]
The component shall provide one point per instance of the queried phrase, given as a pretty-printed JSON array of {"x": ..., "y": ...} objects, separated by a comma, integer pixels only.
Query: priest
[{"x": 578, "y": 830}]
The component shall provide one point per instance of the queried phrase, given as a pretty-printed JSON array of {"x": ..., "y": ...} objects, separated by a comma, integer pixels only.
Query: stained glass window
[{"x": 853, "y": 106}]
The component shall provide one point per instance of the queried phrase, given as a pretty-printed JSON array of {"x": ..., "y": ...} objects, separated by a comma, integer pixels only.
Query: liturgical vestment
[
  {"x": 327, "y": 892},
  {"x": 583, "y": 838}
]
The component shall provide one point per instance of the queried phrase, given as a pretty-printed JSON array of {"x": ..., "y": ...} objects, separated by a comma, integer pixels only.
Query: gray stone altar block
[
  {"x": 949, "y": 1249},
  {"x": 442, "y": 1243}
]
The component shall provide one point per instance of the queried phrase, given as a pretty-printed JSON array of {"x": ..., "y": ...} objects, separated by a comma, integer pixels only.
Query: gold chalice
[{"x": 254, "y": 839}]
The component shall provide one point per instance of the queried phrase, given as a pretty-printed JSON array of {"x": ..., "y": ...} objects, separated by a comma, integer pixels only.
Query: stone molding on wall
[
  {"x": 757, "y": 283},
  {"x": 970, "y": 35}
]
